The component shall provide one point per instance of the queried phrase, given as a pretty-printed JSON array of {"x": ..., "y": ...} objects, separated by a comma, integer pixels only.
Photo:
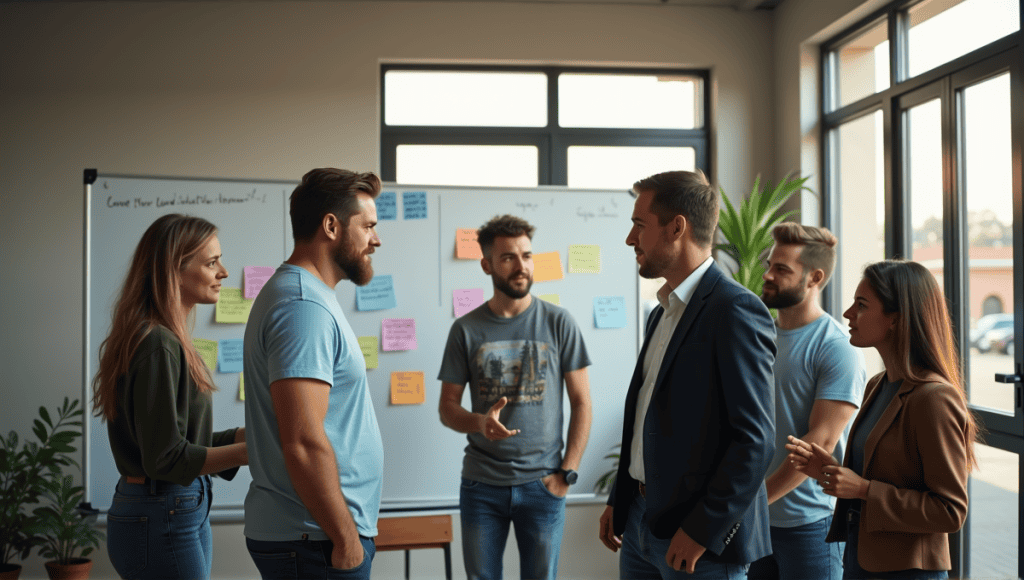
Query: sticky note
[
  {"x": 414, "y": 204},
  {"x": 368, "y": 344},
  {"x": 229, "y": 355},
  {"x": 407, "y": 388},
  {"x": 466, "y": 246},
  {"x": 379, "y": 294},
  {"x": 232, "y": 307},
  {"x": 387, "y": 206},
  {"x": 609, "y": 312},
  {"x": 465, "y": 301},
  {"x": 547, "y": 266},
  {"x": 584, "y": 259},
  {"x": 552, "y": 298},
  {"x": 398, "y": 334},
  {"x": 255, "y": 278},
  {"x": 207, "y": 350},
  {"x": 241, "y": 386}
]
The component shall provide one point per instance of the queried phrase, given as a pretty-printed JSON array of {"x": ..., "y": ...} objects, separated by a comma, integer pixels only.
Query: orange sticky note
[
  {"x": 547, "y": 266},
  {"x": 407, "y": 388},
  {"x": 466, "y": 246}
]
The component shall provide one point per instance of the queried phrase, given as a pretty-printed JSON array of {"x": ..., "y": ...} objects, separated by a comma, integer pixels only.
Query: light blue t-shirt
[
  {"x": 296, "y": 329},
  {"x": 815, "y": 361}
]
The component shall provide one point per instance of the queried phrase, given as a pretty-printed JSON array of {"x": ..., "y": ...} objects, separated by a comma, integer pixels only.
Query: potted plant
[
  {"x": 66, "y": 537},
  {"x": 604, "y": 483},
  {"x": 24, "y": 472}
]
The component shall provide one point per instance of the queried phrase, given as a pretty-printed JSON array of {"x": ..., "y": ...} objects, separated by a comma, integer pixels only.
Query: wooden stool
[{"x": 413, "y": 533}]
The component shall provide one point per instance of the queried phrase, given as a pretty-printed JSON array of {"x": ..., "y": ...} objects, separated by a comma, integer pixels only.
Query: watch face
[{"x": 570, "y": 476}]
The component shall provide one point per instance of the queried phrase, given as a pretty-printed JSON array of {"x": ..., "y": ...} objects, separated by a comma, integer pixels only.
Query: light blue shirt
[
  {"x": 297, "y": 329},
  {"x": 815, "y": 361}
]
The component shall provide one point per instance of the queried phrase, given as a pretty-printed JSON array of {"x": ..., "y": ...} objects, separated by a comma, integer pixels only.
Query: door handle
[{"x": 1011, "y": 378}]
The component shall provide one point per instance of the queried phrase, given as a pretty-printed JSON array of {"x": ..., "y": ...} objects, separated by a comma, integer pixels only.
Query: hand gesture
[
  {"x": 809, "y": 458},
  {"x": 843, "y": 483},
  {"x": 683, "y": 551},
  {"x": 607, "y": 531},
  {"x": 347, "y": 556},
  {"x": 491, "y": 426}
]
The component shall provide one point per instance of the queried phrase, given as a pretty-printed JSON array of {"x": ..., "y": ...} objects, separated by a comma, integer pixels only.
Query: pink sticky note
[
  {"x": 255, "y": 278},
  {"x": 398, "y": 334},
  {"x": 466, "y": 300}
]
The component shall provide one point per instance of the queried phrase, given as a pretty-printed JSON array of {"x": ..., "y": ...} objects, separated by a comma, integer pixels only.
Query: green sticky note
[
  {"x": 368, "y": 344},
  {"x": 241, "y": 386},
  {"x": 232, "y": 306},
  {"x": 552, "y": 298},
  {"x": 584, "y": 259},
  {"x": 207, "y": 350}
]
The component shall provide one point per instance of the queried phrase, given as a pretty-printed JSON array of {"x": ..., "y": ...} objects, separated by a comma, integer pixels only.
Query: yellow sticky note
[
  {"x": 407, "y": 388},
  {"x": 207, "y": 350},
  {"x": 232, "y": 307},
  {"x": 466, "y": 246},
  {"x": 552, "y": 298},
  {"x": 368, "y": 344},
  {"x": 241, "y": 386},
  {"x": 584, "y": 259},
  {"x": 547, "y": 266}
]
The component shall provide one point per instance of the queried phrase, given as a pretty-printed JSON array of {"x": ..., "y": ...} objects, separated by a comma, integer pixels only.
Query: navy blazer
[{"x": 710, "y": 428}]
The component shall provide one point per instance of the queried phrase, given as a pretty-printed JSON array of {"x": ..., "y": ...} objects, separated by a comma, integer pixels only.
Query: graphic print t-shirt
[{"x": 522, "y": 358}]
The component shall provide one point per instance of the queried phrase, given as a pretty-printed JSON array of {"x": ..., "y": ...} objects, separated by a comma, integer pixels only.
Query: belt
[
  {"x": 137, "y": 480},
  {"x": 643, "y": 489}
]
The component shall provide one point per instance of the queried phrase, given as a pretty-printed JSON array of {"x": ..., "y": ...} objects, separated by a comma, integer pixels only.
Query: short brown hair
[
  {"x": 504, "y": 226},
  {"x": 818, "y": 250},
  {"x": 685, "y": 193},
  {"x": 325, "y": 191}
]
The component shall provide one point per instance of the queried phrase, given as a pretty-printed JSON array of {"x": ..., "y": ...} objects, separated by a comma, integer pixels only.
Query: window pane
[
  {"x": 988, "y": 186},
  {"x": 861, "y": 197},
  {"x": 479, "y": 99},
  {"x": 620, "y": 167},
  {"x": 942, "y": 30},
  {"x": 924, "y": 156},
  {"x": 493, "y": 165},
  {"x": 992, "y": 520},
  {"x": 863, "y": 65},
  {"x": 629, "y": 101}
]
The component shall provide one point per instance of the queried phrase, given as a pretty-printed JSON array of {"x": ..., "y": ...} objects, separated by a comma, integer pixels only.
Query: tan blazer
[{"x": 916, "y": 461}]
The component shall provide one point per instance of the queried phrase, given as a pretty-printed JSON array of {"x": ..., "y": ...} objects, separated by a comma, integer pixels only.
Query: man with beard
[
  {"x": 514, "y": 351},
  {"x": 819, "y": 383},
  {"x": 316, "y": 451}
]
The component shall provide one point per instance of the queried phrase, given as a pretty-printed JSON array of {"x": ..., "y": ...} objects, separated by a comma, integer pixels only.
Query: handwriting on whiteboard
[{"x": 175, "y": 199}]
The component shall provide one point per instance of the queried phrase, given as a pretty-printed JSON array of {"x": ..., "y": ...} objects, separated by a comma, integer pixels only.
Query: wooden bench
[{"x": 416, "y": 532}]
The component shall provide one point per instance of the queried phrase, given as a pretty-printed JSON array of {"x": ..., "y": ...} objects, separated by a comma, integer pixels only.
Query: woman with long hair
[
  {"x": 902, "y": 487},
  {"x": 154, "y": 392}
]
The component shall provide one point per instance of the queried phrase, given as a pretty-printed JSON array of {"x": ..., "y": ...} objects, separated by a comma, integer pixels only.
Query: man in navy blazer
[{"x": 698, "y": 431}]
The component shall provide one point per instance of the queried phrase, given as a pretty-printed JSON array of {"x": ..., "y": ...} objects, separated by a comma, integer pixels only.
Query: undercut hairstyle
[
  {"x": 685, "y": 193},
  {"x": 328, "y": 191},
  {"x": 818, "y": 246},
  {"x": 503, "y": 226}
]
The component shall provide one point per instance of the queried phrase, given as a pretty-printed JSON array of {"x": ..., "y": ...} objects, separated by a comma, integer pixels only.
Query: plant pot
[
  {"x": 78, "y": 569},
  {"x": 9, "y": 571}
]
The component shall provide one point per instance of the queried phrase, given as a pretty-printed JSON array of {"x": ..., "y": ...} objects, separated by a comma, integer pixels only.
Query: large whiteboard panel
[{"x": 423, "y": 459}]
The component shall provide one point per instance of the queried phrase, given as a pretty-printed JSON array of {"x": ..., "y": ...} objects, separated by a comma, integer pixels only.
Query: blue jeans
[
  {"x": 853, "y": 571},
  {"x": 161, "y": 530},
  {"x": 487, "y": 511},
  {"x": 306, "y": 559},
  {"x": 642, "y": 556},
  {"x": 801, "y": 553}
]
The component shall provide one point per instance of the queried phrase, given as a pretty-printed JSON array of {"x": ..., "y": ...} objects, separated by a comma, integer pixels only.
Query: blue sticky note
[
  {"x": 387, "y": 206},
  {"x": 229, "y": 355},
  {"x": 379, "y": 294},
  {"x": 415, "y": 204},
  {"x": 609, "y": 312}
]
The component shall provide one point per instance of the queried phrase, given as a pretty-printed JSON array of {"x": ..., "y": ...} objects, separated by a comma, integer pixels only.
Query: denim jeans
[
  {"x": 801, "y": 553},
  {"x": 487, "y": 510},
  {"x": 306, "y": 559},
  {"x": 853, "y": 571},
  {"x": 161, "y": 530},
  {"x": 642, "y": 556}
]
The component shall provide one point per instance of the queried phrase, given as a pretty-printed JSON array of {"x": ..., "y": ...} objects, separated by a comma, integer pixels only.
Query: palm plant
[{"x": 748, "y": 232}]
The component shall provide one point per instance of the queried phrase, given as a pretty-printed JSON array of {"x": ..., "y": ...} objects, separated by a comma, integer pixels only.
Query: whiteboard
[{"x": 423, "y": 459}]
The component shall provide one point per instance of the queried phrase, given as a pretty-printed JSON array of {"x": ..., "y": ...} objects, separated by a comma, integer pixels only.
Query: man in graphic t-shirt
[{"x": 514, "y": 351}]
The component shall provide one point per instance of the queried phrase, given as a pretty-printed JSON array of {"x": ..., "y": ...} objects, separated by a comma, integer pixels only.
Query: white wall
[{"x": 269, "y": 90}]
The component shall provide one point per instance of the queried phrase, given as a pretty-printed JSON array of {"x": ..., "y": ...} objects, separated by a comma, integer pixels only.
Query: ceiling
[{"x": 734, "y": 4}]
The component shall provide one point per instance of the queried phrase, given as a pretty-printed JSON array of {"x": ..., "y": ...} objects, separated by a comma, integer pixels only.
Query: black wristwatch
[{"x": 569, "y": 475}]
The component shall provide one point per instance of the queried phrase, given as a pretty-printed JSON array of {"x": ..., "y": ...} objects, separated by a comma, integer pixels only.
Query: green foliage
[
  {"x": 25, "y": 474},
  {"x": 604, "y": 483},
  {"x": 64, "y": 533},
  {"x": 748, "y": 232}
]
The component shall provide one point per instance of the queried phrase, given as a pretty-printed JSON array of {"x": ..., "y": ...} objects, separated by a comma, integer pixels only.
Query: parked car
[
  {"x": 979, "y": 337},
  {"x": 1004, "y": 343}
]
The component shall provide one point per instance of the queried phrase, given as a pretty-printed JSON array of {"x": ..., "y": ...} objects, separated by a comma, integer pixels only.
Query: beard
[
  {"x": 505, "y": 286},
  {"x": 653, "y": 267},
  {"x": 783, "y": 297},
  {"x": 356, "y": 266}
]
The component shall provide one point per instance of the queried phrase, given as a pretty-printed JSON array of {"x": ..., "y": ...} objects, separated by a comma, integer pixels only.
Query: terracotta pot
[
  {"x": 9, "y": 571},
  {"x": 78, "y": 569}
]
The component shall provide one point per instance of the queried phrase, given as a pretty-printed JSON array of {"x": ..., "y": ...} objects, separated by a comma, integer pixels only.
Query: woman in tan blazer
[{"x": 903, "y": 483}]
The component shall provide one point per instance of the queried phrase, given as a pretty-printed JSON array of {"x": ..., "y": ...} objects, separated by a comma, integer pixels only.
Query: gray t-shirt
[{"x": 523, "y": 358}]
